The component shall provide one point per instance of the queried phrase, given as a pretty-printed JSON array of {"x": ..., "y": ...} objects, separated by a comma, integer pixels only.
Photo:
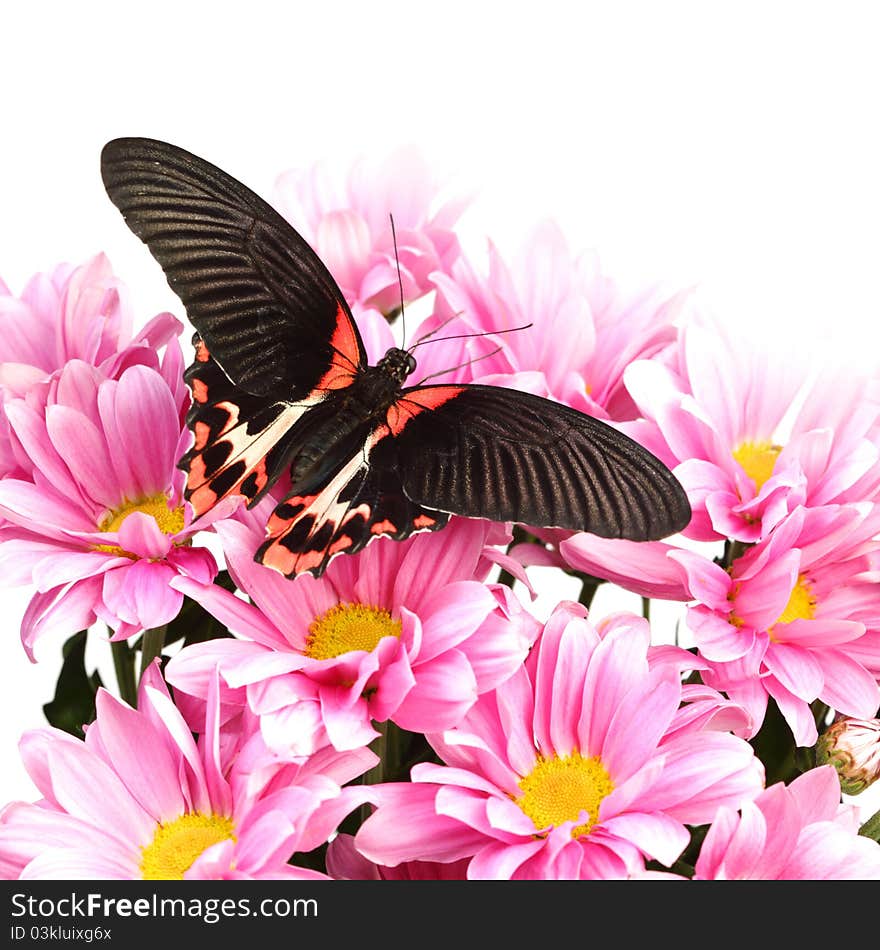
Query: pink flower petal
[
  {"x": 441, "y": 694},
  {"x": 90, "y": 790},
  {"x": 798, "y": 670},
  {"x": 499, "y": 862},
  {"x": 642, "y": 567},
  {"x": 618, "y": 663},
  {"x": 150, "y": 770},
  {"x": 848, "y": 687},
  {"x": 657, "y": 835},
  {"x": 140, "y": 534},
  {"x": 59, "y": 612},
  {"x": 641, "y": 718},
  {"x": 25, "y": 504},
  {"x": 86, "y": 453},
  {"x": 406, "y": 827},
  {"x": 146, "y": 415}
]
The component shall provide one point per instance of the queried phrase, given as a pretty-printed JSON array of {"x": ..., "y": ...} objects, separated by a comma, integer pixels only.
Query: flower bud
[{"x": 852, "y": 746}]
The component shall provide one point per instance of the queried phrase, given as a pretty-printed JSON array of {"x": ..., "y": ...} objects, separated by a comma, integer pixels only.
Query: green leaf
[
  {"x": 74, "y": 701},
  {"x": 871, "y": 828}
]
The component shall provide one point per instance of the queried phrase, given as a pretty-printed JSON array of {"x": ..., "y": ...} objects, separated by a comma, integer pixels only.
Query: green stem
[
  {"x": 732, "y": 551},
  {"x": 379, "y": 745},
  {"x": 588, "y": 591},
  {"x": 646, "y": 608},
  {"x": 871, "y": 828},
  {"x": 375, "y": 775},
  {"x": 152, "y": 644},
  {"x": 123, "y": 664}
]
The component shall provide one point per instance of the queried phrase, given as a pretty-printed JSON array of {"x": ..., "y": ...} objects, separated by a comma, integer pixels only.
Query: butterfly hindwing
[
  {"x": 505, "y": 455},
  {"x": 269, "y": 311},
  {"x": 363, "y": 501}
]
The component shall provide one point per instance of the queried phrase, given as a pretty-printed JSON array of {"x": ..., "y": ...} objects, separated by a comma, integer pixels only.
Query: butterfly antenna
[
  {"x": 399, "y": 284},
  {"x": 467, "y": 336},
  {"x": 452, "y": 369},
  {"x": 437, "y": 329}
]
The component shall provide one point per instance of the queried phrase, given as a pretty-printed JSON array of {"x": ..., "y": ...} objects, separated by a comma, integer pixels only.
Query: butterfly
[{"x": 281, "y": 383}]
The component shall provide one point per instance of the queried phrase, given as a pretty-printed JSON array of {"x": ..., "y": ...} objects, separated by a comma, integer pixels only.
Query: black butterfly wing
[
  {"x": 268, "y": 310},
  {"x": 490, "y": 452}
]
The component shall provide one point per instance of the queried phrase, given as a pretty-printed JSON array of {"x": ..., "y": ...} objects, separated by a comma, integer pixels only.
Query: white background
[{"x": 731, "y": 146}]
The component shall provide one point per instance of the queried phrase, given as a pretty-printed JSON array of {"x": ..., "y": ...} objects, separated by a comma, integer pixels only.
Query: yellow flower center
[
  {"x": 559, "y": 789},
  {"x": 176, "y": 846},
  {"x": 757, "y": 460},
  {"x": 170, "y": 520},
  {"x": 349, "y": 627},
  {"x": 801, "y": 605}
]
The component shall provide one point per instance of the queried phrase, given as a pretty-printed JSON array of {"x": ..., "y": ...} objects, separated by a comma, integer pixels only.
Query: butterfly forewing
[{"x": 269, "y": 311}]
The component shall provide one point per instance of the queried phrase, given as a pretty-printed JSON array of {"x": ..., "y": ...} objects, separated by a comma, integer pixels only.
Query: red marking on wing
[
  {"x": 276, "y": 525},
  {"x": 202, "y": 431},
  {"x": 280, "y": 559},
  {"x": 199, "y": 390},
  {"x": 423, "y": 521},
  {"x": 343, "y": 542},
  {"x": 196, "y": 472},
  {"x": 345, "y": 360},
  {"x": 381, "y": 527},
  {"x": 202, "y": 354},
  {"x": 421, "y": 400},
  {"x": 204, "y": 497}
]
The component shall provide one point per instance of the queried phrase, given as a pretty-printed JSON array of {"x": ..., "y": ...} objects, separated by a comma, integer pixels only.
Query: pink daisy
[
  {"x": 719, "y": 419},
  {"x": 140, "y": 799},
  {"x": 346, "y": 220},
  {"x": 782, "y": 621},
  {"x": 402, "y": 631},
  {"x": 795, "y": 832},
  {"x": 97, "y": 520},
  {"x": 584, "y": 331},
  {"x": 575, "y": 767},
  {"x": 71, "y": 313}
]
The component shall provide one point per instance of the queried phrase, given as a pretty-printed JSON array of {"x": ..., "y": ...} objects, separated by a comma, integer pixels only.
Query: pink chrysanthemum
[
  {"x": 71, "y": 313},
  {"x": 782, "y": 623},
  {"x": 576, "y": 767},
  {"x": 346, "y": 220},
  {"x": 584, "y": 331},
  {"x": 795, "y": 832},
  {"x": 718, "y": 419},
  {"x": 401, "y": 631},
  {"x": 97, "y": 518},
  {"x": 141, "y": 799}
]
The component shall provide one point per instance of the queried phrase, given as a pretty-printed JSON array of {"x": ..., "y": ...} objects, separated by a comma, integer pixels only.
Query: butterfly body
[
  {"x": 326, "y": 435},
  {"x": 281, "y": 383}
]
